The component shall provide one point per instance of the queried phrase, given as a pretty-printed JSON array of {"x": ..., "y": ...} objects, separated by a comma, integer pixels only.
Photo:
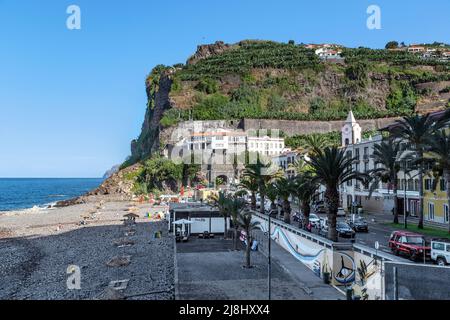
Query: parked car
[
  {"x": 341, "y": 212},
  {"x": 411, "y": 244},
  {"x": 344, "y": 230},
  {"x": 440, "y": 251},
  {"x": 359, "y": 224}
]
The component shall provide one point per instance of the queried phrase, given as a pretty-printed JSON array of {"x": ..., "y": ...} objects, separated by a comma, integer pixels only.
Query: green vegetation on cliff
[{"x": 270, "y": 80}]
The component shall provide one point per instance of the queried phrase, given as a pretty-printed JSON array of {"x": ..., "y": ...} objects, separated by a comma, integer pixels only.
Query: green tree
[
  {"x": 392, "y": 45},
  {"x": 387, "y": 162},
  {"x": 331, "y": 168},
  {"x": 305, "y": 189},
  {"x": 261, "y": 173},
  {"x": 272, "y": 195},
  {"x": 222, "y": 202},
  {"x": 246, "y": 223},
  {"x": 251, "y": 185},
  {"x": 159, "y": 173},
  {"x": 285, "y": 188},
  {"x": 416, "y": 130},
  {"x": 440, "y": 153},
  {"x": 235, "y": 206}
]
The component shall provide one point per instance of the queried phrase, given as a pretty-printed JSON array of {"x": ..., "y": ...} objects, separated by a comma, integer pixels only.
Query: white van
[{"x": 440, "y": 251}]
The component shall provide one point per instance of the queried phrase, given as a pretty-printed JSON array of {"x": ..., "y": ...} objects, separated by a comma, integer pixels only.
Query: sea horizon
[{"x": 28, "y": 193}]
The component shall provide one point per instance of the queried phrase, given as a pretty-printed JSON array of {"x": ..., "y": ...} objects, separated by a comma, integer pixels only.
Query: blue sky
[{"x": 71, "y": 101}]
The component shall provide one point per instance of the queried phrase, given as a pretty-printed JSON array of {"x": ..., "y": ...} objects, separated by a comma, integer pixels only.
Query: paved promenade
[{"x": 307, "y": 281}]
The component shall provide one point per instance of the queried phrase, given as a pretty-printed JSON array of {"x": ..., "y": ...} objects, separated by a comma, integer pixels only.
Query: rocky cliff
[{"x": 287, "y": 85}]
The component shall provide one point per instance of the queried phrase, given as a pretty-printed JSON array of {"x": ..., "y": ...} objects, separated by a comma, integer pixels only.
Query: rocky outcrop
[
  {"x": 119, "y": 185},
  {"x": 208, "y": 50}
]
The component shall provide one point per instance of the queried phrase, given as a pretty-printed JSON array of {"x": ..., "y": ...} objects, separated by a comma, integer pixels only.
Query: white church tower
[{"x": 351, "y": 131}]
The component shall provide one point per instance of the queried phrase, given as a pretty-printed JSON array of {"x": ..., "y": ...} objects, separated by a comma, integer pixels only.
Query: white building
[
  {"x": 355, "y": 193},
  {"x": 285, "y": 162},
  {"x": 351, "y": 131},
  {"x": 267, "y": 146}
]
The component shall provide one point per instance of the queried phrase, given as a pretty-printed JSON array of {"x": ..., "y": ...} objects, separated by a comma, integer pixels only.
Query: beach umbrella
[{"x": 182, "y": 222}]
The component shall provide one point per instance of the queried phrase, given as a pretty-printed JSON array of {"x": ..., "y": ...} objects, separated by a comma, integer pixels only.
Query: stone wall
[
  {"x": 293, "y": 127},
  {"x": 417, "y": 282}
]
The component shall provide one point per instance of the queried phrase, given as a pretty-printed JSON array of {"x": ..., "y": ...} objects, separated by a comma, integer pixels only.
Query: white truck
[{"x": 440, "y": 251}]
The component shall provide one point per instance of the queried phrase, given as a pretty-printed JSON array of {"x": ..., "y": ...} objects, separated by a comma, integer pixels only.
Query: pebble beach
[{"x": 41, "y": 248}]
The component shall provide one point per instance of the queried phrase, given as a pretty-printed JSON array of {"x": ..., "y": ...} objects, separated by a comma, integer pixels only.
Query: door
[{"x": 431, "y": 211}]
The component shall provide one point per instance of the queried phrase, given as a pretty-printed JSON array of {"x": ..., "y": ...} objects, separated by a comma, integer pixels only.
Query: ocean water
[{"x": 18, "y": 194}]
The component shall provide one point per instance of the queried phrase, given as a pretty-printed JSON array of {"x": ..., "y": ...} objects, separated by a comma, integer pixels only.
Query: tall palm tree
[
  {"x": 252, "y": 186},
  {"x": 331, "y": 168},
  {"x": 285, "y": 188},
  {"x": 272, "y": 195},
  {"x": 315, "y": 143},
  {"x": 262, "y": 173},
  {"x": 416, "y": 130},
  {"x": 235, "y": 206},
  {"x": 387, "y": 159},
  {"x": 221, "y": 202},
  {"x": 246, "y": 223},
  {"x": 440, "y": 153},
  {"x": 305, "y": 189}
]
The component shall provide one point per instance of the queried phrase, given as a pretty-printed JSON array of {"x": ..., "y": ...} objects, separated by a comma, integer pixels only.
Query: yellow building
[{"x": 435, "y": 204}]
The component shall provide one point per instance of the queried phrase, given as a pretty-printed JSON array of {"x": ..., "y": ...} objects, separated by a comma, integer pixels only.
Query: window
[
  {"x": 446, "y": 213},
  {"x": 438, "y": 246},
  {"x": 357, "y": 153},
  {"x": 448, "y": 248},
  {"x": 443, "y": 185},
  {"x": 428, "y": 184},
  {"x": 431, "y": 211}
]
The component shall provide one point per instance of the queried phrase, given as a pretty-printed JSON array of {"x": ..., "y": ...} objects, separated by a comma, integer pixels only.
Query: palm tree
[
  {"x": 272, "y": 195},
  {"x": 235, "y": 206},
  {"x": 285, "y": 187},
  {"x": 221, "y": 201},
  {"x": 331, "y": 168},
  {"x": 262, "y": 174},
  {"x": 305, "y": 189},
  {"x": 246, "y": 223},
  {"x": 386, "y": 156},
  {"x": 250, "y": 185},
  {"x": 315, "y": 143},
  {"x": 416, "y": 130},
  {"x": 440, "y": 153}
]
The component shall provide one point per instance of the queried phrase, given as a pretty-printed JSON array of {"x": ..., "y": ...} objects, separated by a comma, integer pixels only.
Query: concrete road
[{"x": 378, "y": 231}]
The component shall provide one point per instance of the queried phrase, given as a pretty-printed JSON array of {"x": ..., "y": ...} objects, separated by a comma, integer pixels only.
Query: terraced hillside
[{"x": 269, "y": 80}]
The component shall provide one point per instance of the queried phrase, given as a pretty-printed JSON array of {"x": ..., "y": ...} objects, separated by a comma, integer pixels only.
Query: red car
[{"x": 410, "y": 244}]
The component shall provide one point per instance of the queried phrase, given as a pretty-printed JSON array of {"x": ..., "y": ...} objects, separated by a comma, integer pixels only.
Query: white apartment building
[
  {"x": 267, "y": 146},
  {"x": 355, "y": 193}
]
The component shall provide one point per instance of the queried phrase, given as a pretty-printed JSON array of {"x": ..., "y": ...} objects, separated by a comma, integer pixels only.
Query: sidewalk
[{"x": 307, "y": 280}]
